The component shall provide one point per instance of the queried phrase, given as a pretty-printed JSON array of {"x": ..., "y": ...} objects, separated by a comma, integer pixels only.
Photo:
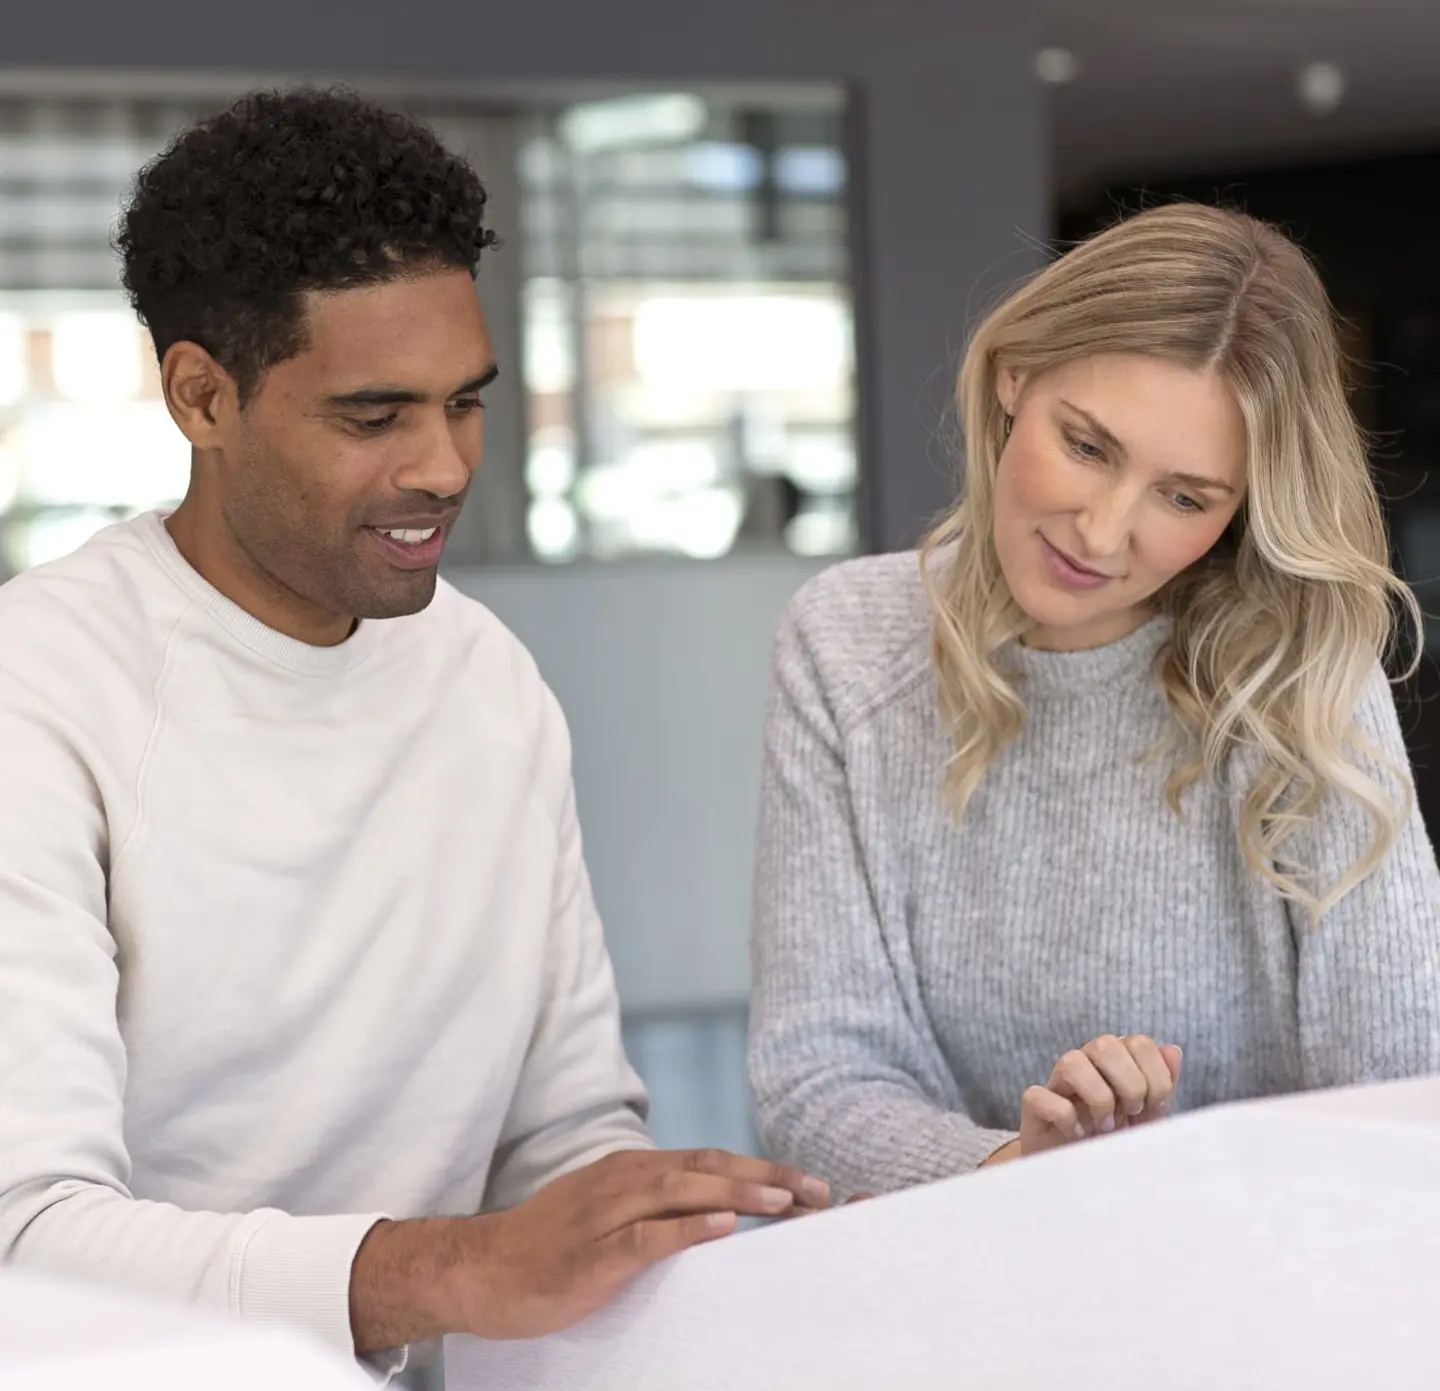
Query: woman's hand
[{"x": 1108, "y": 1085}]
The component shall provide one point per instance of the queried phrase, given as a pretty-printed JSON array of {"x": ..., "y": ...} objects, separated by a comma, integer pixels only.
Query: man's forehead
[
  {"x": 430, "y": 328},
  {"x": 423, "y": 302}
]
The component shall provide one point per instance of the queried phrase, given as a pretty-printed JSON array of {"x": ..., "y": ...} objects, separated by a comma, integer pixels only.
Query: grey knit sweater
[{"x": 912, "y": 977}]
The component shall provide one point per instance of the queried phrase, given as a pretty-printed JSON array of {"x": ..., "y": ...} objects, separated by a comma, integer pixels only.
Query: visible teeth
[{"x": 411, "y": 538}]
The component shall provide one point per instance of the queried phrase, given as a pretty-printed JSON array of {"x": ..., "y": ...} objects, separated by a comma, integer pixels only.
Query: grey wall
[
  {"x": 953, "y": 151},
  {"x": 663, "y": 671}
]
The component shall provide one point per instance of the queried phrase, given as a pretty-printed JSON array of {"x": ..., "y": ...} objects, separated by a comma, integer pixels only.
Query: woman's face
[{"x": 1120, "y": 471}]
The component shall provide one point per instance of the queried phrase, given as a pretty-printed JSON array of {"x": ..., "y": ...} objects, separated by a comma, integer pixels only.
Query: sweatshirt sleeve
[
  {"x": 65, "y": 1207},
  {"x": 577, "y": 1098},
  {"x": 1369, "y": 971},
  {"x": 848, "y": 1082}
]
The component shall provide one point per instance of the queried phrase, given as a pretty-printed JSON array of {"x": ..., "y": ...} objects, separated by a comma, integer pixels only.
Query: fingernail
[
  {"x": 816, "y": 1189},
  {"x": 1134, "y": 1108},
  {"x": 720, "y": 1221},
  {"x": 1080, "y": 1132},
  {"x": 1107, "y": 1125},
  {"x": 776, "y": 1198}
]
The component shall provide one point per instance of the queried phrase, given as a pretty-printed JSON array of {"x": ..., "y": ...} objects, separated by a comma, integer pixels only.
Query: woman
[{"x": 1115, "y": 761}]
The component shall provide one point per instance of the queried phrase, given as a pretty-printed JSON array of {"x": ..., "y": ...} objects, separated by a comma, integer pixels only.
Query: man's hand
[
  {"x": 564, "y": 1254},
  {"x": 1108, "y": 1085}
]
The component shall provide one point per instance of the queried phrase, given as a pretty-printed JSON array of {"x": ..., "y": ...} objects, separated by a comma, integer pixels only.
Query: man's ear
[{"x": 200, "y": 394}]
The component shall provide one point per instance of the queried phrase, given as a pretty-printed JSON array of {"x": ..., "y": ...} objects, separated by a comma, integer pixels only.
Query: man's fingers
[
  {"x": 1056, "y": 1111},
  {"x": 1077, "y": 1077},
  {"x": 675, "y": 1191},
  {"x": 807, "y": 1191},
  {"x": 625, "y": 1254}
]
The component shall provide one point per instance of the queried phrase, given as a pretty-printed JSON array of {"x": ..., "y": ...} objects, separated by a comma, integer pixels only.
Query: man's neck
[{"x": 212, "y": 551}]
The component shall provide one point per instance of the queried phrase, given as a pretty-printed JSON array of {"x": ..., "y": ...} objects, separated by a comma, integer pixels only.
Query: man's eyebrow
[
  {"x": 479, "y": 383},
  {"x": 404, "y": 396}
]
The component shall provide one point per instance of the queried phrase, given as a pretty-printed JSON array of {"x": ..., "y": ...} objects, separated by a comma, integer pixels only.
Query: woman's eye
[
  {"x": 1083, "y": 449},
  {"x": 1185, "y": 503}
]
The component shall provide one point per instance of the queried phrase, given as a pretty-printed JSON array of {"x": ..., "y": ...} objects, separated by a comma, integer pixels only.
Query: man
[{"x": 299, "y": 967}]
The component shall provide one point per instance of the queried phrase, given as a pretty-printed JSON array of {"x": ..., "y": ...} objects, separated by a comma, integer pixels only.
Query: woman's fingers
[
  {"x": 1076, "y": 1076},
  {"x": 1043, "y": 1108},
  {"x": 1107, "y": 1085},
  {"x": 1122, "y": 1069},
  {"x": 1170, "y": 1061},
  {"x": 1159, "y": 1081}
]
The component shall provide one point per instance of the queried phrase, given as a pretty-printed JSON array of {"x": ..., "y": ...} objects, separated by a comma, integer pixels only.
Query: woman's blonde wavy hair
[{"x": 1277, "y": 631}]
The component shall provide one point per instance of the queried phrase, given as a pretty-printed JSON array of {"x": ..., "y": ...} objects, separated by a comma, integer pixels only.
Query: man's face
[{"x": 346, "y": 471}]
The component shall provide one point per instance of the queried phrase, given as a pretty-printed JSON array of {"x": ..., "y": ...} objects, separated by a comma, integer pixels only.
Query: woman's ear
[{"x": 1009, "y": 382}]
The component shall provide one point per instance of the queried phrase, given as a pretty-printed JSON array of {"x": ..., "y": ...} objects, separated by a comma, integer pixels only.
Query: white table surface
[
  {"x": 59, "y": 1336},
  {"x": 1276, "y": 1246}
]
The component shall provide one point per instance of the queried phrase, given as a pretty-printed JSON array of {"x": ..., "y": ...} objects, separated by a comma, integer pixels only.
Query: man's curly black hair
[{"x": 287, "y": 192}]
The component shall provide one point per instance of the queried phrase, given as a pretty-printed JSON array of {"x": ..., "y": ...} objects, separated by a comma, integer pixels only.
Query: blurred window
[
  {"x": 688, "y": 326},
  {"x": 84, "y": 436},
  {"x": 678, "y": 292}
]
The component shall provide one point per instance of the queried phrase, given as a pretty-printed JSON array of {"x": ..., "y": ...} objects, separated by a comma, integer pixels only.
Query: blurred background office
[{"x": 742, "y": 246}]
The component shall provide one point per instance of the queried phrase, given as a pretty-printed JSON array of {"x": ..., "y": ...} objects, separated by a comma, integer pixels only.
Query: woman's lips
[{"x": 1069, "y": 571}]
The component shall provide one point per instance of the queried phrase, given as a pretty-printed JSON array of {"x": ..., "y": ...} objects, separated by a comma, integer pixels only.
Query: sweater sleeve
[
  {"x": 1369, "y": 972},
  {"x": 65, "y": 1207},
  {"x": 577, "y": 1098},
  {"x": 848, "y": 1080}
]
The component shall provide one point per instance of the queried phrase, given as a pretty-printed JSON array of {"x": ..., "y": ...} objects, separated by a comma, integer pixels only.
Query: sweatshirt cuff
[{"x": 296, "y": 1270}]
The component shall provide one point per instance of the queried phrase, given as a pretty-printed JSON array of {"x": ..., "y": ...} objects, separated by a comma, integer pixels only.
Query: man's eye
[
  {"x": 375, "y": 424},
  {"x": 465, "y": 404}
]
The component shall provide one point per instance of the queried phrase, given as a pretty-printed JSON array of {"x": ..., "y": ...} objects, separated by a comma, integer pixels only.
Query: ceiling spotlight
[
  {"x": 1321, "y": 87},
  {"x": 1056, "y": 66}
]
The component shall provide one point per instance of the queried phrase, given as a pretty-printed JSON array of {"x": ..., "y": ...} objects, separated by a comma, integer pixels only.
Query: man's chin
[{"x": 400, "y": 596}]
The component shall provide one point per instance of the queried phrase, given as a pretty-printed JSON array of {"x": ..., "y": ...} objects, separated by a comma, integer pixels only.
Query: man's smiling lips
[{"x": 415, "y": 542}]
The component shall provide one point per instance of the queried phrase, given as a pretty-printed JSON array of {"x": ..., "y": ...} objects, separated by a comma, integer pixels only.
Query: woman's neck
[{"x": 1081, "y": 637}]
